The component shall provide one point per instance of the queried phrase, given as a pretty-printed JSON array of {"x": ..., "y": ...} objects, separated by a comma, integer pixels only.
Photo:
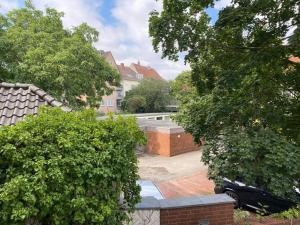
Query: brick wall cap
[
  {"x": 167, "y": 130},
  {"x": 148, "y": 203},
  {"x": 216, "y": 199},
  {"x": 153, "y": 203}
]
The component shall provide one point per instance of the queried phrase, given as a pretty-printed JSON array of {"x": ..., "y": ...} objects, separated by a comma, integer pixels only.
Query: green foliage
[
  {"x": 136, "y": 104},
  {"x": 241, "y": 217},
  {"x": 149, "y": 96},
  {"x": 243, "y": 94},
  {"x": 68, "y": 168},
  {"x": 35, "y": 48},
  {"x": 182, "y": 88},
  {"x": 293, "y": 213}
]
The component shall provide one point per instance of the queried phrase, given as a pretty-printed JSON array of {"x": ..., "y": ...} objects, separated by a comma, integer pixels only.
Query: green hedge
[{"x": 68, "y": 168}]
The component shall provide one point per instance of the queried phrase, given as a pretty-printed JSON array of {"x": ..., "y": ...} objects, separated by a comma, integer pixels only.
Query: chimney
[
  {"x": 122, "y": 65},
  {"x": 139, "y": 63}
]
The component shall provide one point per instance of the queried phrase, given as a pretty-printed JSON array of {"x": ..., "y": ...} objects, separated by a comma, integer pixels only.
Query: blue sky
[
  {"x": 123, "y": 27},
  {"x": 109, "y": 19}
]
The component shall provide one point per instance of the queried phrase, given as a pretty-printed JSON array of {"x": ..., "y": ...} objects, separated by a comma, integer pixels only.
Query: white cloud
[
  {"x": 129, "y": 40},
  {"x": 7, "y": 5},
  {"x": 220, "y": 4},
  {"x": 127, "y": 37}
]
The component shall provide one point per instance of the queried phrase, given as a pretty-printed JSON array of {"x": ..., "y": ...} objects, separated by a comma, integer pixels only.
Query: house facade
[{"x": 131, "y": 76}]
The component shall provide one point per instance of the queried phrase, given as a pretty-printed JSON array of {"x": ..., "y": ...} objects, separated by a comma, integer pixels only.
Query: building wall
[
  {"x": 158, "y": 143},
  {"x": 196, "y": 210},
  {"x": 198, "y": 215},
  {"x": 110, "y": 59},
  {"x": 182, "y": 143},
  {"x": 128, "y": 85},
  {"x": 105, "y": 108},
  {"x": 169, "y": 144},
  {"x": 114, "y": 96}
]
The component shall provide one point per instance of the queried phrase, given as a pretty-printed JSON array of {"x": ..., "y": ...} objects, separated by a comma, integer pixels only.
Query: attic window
[{"x": 140, "y": 76}]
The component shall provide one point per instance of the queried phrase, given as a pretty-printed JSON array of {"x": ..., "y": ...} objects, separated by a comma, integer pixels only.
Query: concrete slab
[
  {"x": 194, "y": 185},
  {"x": 161, "y": 168},
  {"x": 179, "y": 176}
]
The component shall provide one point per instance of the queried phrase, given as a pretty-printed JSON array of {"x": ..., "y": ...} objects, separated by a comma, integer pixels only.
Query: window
[
  {"x": 110, "y": 102},
  {"x": 107, "y": 102},
  {"x": 119, "y": 102},
  {"x": 119, "y": 93},
  {"x": 139, "y": 76}
]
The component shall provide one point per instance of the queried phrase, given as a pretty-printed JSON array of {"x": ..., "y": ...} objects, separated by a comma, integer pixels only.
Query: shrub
[
  {"x": 136, "y": 104},
  {"x": 68, "y": 169},
  {"x": 293, "y": 213},
  {"x": 241, "y": 217},
  {"x": 149, "y": 96}
]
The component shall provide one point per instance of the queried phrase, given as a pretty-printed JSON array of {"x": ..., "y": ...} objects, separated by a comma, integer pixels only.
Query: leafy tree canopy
[
  {"x": 60, "y": 168},
  {"x": 35, "y": 48},
  {"x": 149, "y": 96},
  {"x": 136, "y": 104},
  {"x": 246, "y": 93}
]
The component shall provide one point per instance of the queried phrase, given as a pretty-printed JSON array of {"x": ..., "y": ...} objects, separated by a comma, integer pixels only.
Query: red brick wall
[
  {"x": 169, "y": 144},
  {"x": 158, "y": 143},
  {"x": 181, "y": 143},
  {"x": 215, "y": 214}
]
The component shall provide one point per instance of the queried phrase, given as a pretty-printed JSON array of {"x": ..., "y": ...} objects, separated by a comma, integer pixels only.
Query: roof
[
  {"x": 294, "y": 59},
  {"x": 127, "y": 73},
  {"x": 109, "y": 58},
  {"x": 19, "y": 100},
  {"x": 147, "y": 71}
]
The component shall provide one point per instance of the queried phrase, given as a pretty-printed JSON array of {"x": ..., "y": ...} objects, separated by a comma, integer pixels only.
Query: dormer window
[{"x": 140, "y": 76}]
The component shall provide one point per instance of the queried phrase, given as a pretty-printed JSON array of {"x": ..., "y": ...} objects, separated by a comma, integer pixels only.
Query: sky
[{"x": 123, "y": 27}]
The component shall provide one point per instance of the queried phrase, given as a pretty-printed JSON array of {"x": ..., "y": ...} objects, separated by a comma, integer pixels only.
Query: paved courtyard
[{"x": 178, "y": 176}]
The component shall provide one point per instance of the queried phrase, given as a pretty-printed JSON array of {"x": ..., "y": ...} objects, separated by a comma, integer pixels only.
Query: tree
[
  {"x": 155, "y": 94},
  {"x": 136, "y": 104},
  {"x": 35, "y": 48},
  {"x": 60, "y": 168},
  {"x": 246, "y": 100}
]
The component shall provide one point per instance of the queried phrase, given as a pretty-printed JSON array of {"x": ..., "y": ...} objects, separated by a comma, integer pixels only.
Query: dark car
[{"x": 255, "y": 198}]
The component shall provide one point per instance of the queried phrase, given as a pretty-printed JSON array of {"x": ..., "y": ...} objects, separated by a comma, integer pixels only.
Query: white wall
[{"x": 128, "y": 85}]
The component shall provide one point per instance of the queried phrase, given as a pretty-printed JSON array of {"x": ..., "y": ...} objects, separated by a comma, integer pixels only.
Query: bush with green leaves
[
  {"x": 136, "y": 104},
  {"x": 291, "y": 214},
  {"x": 62, "y": 168},
  {"x": 149, "y": 96}
]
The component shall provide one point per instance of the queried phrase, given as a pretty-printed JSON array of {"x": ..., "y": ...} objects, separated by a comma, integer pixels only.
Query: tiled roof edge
[
  {"x": 42, "y": 94},
  {"x": 16, "y": 85},
  {"x": 48, "y": 98}
]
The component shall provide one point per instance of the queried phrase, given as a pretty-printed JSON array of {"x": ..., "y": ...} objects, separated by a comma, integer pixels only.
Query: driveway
[{"x": 178, "y": 176}]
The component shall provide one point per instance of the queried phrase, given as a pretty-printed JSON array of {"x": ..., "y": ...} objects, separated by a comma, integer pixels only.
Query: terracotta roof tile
[
  {"x": 127, "y": 73},
  {"x": 147, "y": 72},
  {"x": 19, "y": 100}
]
